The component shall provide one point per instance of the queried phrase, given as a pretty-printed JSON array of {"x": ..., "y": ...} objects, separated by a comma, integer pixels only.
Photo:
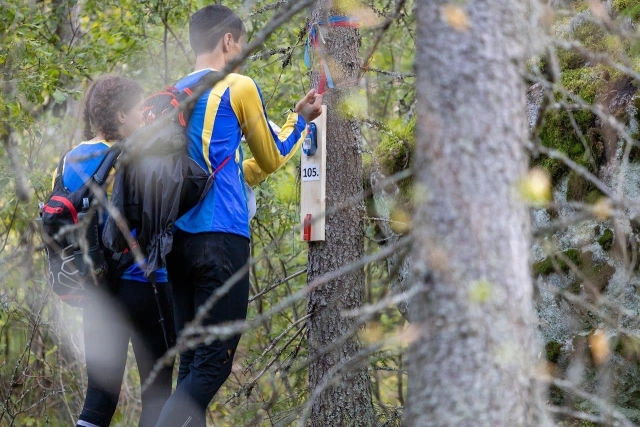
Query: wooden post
[{"x": 313, "y": 179}]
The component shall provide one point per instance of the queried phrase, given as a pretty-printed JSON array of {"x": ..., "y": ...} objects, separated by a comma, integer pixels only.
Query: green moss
[
  {"x": 622, "y": 5},
  {"x": 592, "y": 36},
  {"x": 606, "y": 240},
  {"x": 578, "y": 5},
  {"x": 546, "y": 266},
  {"x": 543, "y": 267},
  {"x": 552, "y": 351},
  {"x": 630, "y": 8},
  {"x": 586, "y": 82},
  {"x": 593, "y": 196},
  {"x": 558, "y": 132},
  {"x": 394, "y": 153},
  {"x": 569, "y": 59},
  {"x": 396, "y": 148},
  {"x": 556, "y": 395},
  {"x": 574, "y": 256}
]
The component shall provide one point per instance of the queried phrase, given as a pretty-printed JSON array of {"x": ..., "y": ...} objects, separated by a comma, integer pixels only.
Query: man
[{"x": 211, "y": 242}]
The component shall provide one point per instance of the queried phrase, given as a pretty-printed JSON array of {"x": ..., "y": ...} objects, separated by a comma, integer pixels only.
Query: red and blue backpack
[{"x": 69, "y": 227}]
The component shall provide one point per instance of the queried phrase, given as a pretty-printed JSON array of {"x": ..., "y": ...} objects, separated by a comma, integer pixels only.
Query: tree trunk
[
  {"x": 471, "y": 361},
  {"x": 346, "y": 400}
]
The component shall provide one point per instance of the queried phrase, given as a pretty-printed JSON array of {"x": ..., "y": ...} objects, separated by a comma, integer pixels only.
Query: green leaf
[{"x": 59, "y": 96}]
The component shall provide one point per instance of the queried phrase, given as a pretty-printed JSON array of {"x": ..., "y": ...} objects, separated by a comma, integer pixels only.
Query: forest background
[{"x": 579, "y": 70}]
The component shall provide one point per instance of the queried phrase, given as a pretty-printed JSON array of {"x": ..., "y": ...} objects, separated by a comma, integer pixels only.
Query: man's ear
[
  {"x": 121, "y": 117},
  {"x": 226, "y": 42}
]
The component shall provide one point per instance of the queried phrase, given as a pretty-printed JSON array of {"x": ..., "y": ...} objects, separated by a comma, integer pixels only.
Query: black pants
[
  {"x": 198, "y": 265},
  {"x": 110, "y": 321}
]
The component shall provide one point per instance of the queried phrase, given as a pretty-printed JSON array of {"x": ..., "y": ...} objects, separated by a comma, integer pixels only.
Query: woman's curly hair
[{"x": 104, "y": 98}]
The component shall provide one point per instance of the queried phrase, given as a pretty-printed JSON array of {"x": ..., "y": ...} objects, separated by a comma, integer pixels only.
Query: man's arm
[
  {"x": 253, "y": 175},
  {"x": 270, "y": 151}
]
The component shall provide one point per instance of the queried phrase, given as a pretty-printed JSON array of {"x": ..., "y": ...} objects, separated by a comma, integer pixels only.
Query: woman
[{"x": 113, "y": 111}]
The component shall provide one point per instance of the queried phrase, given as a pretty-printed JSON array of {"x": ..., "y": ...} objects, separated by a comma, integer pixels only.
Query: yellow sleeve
[
  {"x": 269, "y": 151},
  {"x": 253, "y": 175}
]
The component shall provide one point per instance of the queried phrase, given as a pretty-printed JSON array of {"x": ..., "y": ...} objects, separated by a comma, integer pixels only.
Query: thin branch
[
  {"x": 606, "y": 408},
  {"x": 276, "y": 284},
  {"x": 175, "y": 37},
  {"x": 395, "y": 74}
]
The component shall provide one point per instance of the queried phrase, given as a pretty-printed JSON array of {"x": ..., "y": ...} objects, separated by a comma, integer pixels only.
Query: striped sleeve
[
  {"x": 253, "y": 175},
  {"x": 269, "y": 150}
]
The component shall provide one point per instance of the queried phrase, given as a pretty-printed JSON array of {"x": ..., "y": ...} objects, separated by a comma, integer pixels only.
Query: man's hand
[{"x": 310, "y": 106}]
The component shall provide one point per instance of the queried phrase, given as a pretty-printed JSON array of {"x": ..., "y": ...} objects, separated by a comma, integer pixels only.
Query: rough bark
[
  {"x": 472, "y": 357},
  {"x": 347, "y": 401}
]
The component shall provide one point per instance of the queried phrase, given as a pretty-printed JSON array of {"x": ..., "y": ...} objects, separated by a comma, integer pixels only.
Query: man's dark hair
[{"x": 210, "y": 24}]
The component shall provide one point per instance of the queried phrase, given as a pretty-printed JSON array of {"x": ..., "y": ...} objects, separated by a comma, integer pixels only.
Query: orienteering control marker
[{"x": 313, "y": 183}]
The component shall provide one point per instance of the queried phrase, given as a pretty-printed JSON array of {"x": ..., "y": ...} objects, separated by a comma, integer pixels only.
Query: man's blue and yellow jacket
[{"x": 233, "y": 108}]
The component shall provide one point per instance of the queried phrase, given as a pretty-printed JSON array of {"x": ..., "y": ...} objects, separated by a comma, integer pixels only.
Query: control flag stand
[{"x": 313, "y": 180}]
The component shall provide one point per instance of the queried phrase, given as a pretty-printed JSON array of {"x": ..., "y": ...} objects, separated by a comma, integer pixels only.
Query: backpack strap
[
  {"x": 184, "y": 94},
  {"x": 58, "y": 178},
  {"x": 211, "y": 178},
  {"x": 199, "y": 83},
  {"x": 106, "y": 164},
  {"x": 224, "y": 162}
]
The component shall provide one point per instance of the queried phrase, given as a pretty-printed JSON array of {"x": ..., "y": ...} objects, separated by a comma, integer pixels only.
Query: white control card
[{"x": 311, "y": 172}]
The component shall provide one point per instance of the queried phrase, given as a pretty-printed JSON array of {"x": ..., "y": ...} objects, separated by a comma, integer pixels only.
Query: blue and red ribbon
[{"x": 312, "y": 40}]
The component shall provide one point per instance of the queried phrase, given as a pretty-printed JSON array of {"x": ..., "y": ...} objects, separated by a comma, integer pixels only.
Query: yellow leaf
[
  {"x": 599, "y": 344},
  {"x": 400, "y": 221},
  {"x": 536, "y": 187},
  {"x": 456, "y": 17},
  {"x": 480, "y": 291},
  {"x": 372, "y": 333},
  {"x": 602, "y": 209}
]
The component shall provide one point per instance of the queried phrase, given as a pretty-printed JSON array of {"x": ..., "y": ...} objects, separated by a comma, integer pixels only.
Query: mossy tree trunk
[
  {"x": 471, "y": 361},
  {"x": 346, "y": 400}
]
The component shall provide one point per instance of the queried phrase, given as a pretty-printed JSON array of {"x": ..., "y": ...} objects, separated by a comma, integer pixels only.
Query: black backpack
[
  {"x": 78, "y": 262},
  {"x": 171, "y": 140},
  {"x": 158, "y": 181}
]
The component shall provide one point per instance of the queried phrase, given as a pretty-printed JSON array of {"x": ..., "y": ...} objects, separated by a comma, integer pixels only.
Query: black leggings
[
  {"x": 198, "y": 265},
  {"x": 109, "y": 323}
]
